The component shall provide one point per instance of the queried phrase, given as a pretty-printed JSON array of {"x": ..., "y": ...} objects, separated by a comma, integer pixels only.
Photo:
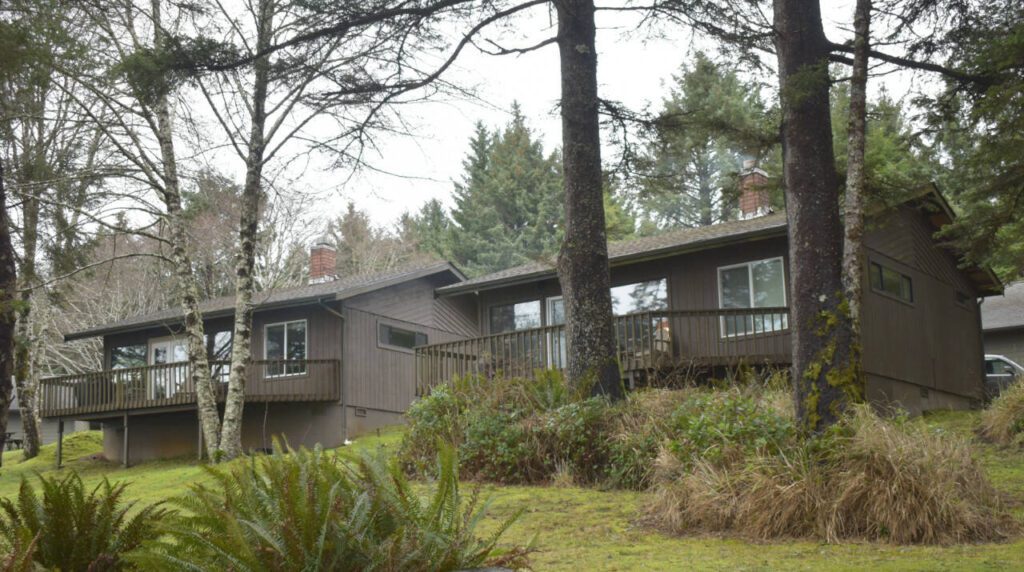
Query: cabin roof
[
  {"x": 334, "y": 290},
  {"x": 1004, "y": 312},
  {"x": 928, "y": 200}
]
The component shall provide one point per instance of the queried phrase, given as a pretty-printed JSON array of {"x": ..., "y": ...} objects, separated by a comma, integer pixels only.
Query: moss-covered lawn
[{"x": 582, "y": 529}]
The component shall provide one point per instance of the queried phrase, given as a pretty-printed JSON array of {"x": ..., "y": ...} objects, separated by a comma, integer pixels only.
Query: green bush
[
  {"x": 69, "y": 529},
  {"x": 716, "y": 426},
  {"x": 529, "y": 431},
  {"x": 497, "y": 447},
  {"x": 433, "y": 419},
  {"x": 307, "y": 510}
]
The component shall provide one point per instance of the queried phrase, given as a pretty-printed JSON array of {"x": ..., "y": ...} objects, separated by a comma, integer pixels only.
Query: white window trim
[
  {"x": 399, "y": 326},
  {"x": 152, "y": 342},
  {"x": 552, "y": 362},
  {"x": 750, "y": 286},
  {"x": 305, "y": 332}
]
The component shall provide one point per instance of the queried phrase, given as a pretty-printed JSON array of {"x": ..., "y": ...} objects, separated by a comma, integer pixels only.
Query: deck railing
[
  {"x": 171, "y": 384},
  {"x": 646, "y": 341}
]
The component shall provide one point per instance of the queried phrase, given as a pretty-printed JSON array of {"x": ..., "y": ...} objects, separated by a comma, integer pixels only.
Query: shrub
[
  {"x": 306, "y": 510},
  {"x": 869, "y": 478},
  {"x": 715, "y": 426},
  {"x": 69, "y": 529},
  {"x": 432, "y": 419},
  {"x": 1003, "y": 421},
  {"x": 497, "y": 447}
]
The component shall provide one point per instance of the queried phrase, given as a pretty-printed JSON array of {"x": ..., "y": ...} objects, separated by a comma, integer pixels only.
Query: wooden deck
[
  {"x": 170, "y": 385},
  {"x": 647, "y": 342}
]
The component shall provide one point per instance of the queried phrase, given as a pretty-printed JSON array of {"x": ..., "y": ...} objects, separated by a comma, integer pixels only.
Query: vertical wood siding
[{"x": 935, "y": 341}]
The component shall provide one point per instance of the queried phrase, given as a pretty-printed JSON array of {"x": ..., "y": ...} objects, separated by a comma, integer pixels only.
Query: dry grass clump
[
  {"x": 871, "y": 479},
  {"x": 1003, "y": 421}
]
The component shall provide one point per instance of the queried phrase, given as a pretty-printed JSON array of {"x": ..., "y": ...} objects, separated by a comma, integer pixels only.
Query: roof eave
[
  {"x": 175, "y": 322},
  {"x": 654, "y": 254}
]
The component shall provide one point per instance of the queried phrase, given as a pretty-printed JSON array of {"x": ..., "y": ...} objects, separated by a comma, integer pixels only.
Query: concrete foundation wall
[{"x": 915, "y": 399}]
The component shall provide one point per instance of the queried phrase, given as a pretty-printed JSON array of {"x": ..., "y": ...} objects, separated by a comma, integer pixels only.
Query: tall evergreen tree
[
  {"x": 710, "y": 122},
  {"x": 508, "y": 205}
]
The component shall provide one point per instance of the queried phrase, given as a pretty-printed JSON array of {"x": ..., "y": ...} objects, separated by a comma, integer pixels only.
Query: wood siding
[
  {"x": 934, "y": 341},
  {"x": 384, "y": 378},
  {"x": 692, "y": 278},
  {"x": 1009, "y": 343}
]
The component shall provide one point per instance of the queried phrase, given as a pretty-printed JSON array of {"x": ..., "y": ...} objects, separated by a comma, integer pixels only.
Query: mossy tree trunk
[
  {"x": 241, "y": 348},
  {"x": 583, "y": 259},
  {"x": 825, "y": 373},
  {"x": 8, "y": 318}
]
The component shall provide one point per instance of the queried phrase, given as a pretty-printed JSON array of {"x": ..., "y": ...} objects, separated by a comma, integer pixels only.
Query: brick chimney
[
  {"x": 754, "y": 198},
  {"x": 322, "y": 261}
]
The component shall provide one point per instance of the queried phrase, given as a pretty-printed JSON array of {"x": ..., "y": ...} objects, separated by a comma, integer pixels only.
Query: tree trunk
[
  {"x": 8, "y": 286},
  {"x": 583, "y": 259},
  {"x": 23, "y": 375},
  {"x": 856, "y": 177},
  {"x": 206, "y": 400},
  {"x": 241, "y": 340},
  {"x": 825, "y": 377}
]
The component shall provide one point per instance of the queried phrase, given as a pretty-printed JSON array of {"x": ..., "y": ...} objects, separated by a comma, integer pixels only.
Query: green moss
[{"x": 585, "y": 529}]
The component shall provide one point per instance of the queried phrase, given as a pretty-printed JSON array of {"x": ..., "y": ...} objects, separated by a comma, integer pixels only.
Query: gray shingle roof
[
  {"x": 340, "y": 289},
  {"x": 1006, "y": 311},
  {"x": 639, "y": 248}
]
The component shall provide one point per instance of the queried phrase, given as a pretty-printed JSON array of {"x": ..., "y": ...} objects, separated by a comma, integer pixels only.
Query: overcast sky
[{"x": 633, "y": 68}]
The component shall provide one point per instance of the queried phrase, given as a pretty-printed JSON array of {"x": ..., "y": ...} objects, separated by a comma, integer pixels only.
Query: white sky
[{"x": 632, "y": 68}]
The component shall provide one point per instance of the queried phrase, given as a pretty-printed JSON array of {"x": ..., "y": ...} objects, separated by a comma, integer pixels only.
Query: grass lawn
[{"x": 583, "y": 529}]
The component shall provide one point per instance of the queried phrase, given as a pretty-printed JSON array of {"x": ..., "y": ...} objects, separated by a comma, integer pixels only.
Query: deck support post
[
  {"x": 124, "y": 446},
  {"x": 199, "y": 425},
  {"x": 60, "y": 441}
]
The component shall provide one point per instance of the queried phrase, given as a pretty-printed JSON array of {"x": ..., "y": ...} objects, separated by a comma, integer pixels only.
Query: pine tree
[
  {"x": 710, "y": 122},
  {"x": 508, "y": 205}
]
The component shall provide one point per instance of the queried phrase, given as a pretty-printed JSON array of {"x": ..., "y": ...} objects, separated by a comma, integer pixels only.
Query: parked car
[{"x": 1000, "y": 373}]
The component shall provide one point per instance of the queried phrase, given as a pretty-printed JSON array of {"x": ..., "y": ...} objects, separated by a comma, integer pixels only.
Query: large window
[
  {"x": 122, "y": 357},
  {"x": 640, "y": 297},
  {"x": 389, "y": 336},
  {"x": 759, "y": 284},
  {"x": 889, "y": 281},
  {"x": 218, "y": 348},
  {"x": 285, "y": 342},
  {"x": 512, "y": 317}
]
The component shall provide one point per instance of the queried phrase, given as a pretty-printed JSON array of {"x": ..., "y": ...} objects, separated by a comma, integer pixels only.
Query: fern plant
[
  {"x": 67, "y": 528},
  {"x": 308, "y": 510}
]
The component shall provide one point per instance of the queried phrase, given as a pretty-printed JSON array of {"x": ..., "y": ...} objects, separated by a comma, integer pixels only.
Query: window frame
[
  {"x": 884, "y": 293},
  {"x": 667, "y": 300},
  {"x": 284, "y": 346},
  {"x": 750, "y": 285},
  {"x": 145, "y": 355},
  {"x": 405, "y": 328},
  {"x": 541, "y": 308}
]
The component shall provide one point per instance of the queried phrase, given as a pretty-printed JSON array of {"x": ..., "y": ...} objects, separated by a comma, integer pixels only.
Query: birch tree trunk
[
  {"x": 856, "y": 177},
  {"x": 583, "y": 258},
  {"x": 825, "y": 375},
  {"x": 8, "y": 286},
  {"x": 241, "y": 340},
  {"x": 199, "y": 364}
]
